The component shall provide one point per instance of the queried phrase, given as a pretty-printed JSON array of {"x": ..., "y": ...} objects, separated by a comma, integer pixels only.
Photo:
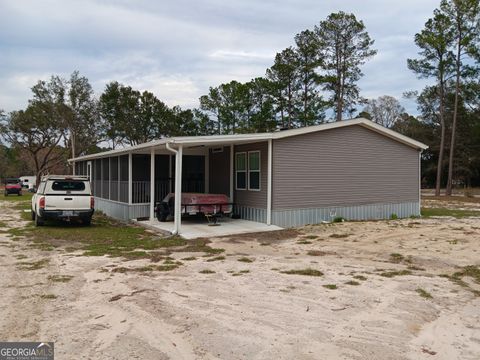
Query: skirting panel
[
  {"x": 252, "y": 214},
  {"x": 122, "y": 211},
  {"x": 299, "y": 217}
]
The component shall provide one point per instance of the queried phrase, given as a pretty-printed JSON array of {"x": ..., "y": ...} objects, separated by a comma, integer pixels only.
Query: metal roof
[{"x": 212, "y": 140}]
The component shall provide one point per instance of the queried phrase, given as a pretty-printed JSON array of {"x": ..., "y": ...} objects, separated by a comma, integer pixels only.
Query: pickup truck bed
[{"x": 63, "y": 198}]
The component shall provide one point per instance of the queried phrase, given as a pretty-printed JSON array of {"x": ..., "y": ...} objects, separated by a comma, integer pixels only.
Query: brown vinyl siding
[
  {"x": 340, "y": 167},
  {"x": 254, "y": 198},
  {"x": 219, "y": 172}
]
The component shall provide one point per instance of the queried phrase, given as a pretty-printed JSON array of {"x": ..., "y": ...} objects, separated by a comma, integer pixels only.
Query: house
[{"x": 355, "y": 169}]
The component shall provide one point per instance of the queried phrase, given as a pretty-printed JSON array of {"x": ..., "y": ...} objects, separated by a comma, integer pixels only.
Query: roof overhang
[{"x": 218, "y": 140}]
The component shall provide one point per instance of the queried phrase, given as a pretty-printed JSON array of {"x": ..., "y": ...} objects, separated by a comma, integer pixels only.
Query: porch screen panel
[
  {"x": 97, "y": 164},
  {"x": 123, "y": 163},
  {"x": 114, "y": 178}
]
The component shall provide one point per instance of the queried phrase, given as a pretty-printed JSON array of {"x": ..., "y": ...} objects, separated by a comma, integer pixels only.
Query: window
[
  {"x": 68, "y": 186},
  {"x": 254, "y": 170},
  {"x": 241, "y": 170}
]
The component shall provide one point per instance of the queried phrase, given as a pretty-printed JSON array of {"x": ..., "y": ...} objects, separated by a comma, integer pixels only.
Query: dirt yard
[{"x": 400, "y": 289}]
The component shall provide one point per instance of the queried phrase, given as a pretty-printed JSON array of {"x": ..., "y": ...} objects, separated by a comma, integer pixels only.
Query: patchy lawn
[{"x": 406, "y": 288}]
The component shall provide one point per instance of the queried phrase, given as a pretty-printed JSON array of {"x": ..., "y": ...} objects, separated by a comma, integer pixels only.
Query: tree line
[{"x": 311, "y": 82}]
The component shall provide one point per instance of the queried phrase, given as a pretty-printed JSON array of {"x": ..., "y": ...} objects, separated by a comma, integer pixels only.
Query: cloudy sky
[{"x": 178, "y": 49}]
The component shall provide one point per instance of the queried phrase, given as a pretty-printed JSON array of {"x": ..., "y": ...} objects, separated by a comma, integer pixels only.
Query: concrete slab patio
[{"x": 193, "y": 228}]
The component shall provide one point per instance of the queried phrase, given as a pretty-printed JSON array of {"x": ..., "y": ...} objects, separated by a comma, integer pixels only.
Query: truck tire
[
  {"x": 87, "y": 221},
  {"x": 33, "y": 215},
  {"x": 39, "y": 220},
  {"x": 163, "y": 212}
]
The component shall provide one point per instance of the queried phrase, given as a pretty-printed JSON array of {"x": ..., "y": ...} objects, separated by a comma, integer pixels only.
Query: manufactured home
[{"x": 354, "y": 169}]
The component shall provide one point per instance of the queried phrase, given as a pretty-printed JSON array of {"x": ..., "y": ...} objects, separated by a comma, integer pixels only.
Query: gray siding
[
  {"x": 219, "y": 176},
  {"x": 342, "y": 167},
  {"x": 248, "y": 198},
  {"x": 299, "y": 217}
]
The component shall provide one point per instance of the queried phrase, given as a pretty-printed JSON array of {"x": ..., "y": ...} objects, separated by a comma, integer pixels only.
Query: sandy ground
[{"x": 262, "y": 314}]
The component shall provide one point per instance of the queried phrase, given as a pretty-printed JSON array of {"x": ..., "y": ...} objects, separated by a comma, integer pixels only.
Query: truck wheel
[
  {"x": 87, "y": 221},
  {"x": 5, "y": 193},
  {"x": 33, "y": 215},
  {"x": 39, "y": 221},
  {"x": 19, "y": 194}
]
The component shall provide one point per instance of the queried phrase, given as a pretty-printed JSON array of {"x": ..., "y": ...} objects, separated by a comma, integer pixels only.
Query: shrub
[
  {"x": 393, "y": 216},
  {"x": 338, "y": 219}
]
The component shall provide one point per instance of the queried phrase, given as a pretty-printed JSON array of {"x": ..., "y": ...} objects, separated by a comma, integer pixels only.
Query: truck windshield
[
  {"x": 13, "y": 181},
  {"x": 68, "y": 185}
]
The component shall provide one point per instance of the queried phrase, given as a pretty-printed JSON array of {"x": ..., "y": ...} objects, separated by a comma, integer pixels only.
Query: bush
[
  {"x": 393, "y": 216},
  {"x": 338, "y": 219}
]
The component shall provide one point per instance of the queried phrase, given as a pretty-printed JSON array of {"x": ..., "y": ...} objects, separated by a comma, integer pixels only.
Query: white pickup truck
[{"x": 63, "y": 197}]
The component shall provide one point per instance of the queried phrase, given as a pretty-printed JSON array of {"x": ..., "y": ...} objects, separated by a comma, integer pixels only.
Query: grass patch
[
  {"x": 26, "y": 197},
  {"x": 207, "y": 271},
  {"x": 217, "y": 258},
  {"x": 245, "y": 260},
  {"x": 190, "y": 258},
  {"x": 396, "y": 257},
  {"x": 60, "y": 278},
  {"x": 201, "y": 245},
  {"x": 339, "y": 236},
  {"x": 352, "y": 282},
  {"x": 36, "y": 265},
  {"x": 143, "y": 269},
  {"x": 470, "y": 271},
  {"x": 330, "y": 286},
  {"x": 240, "y": 273},
  {"x": 458, "y": 214},
  {"x": 424, "y": 294},
  {"x": 391, "y": 274},
  {"x": 48, "y": 296},
  {"x": 360, "y": 277},
  {"x": 316, "y": 253},
  {"x": 108, "y": 237},
  {"x": 306, "y": 272}
]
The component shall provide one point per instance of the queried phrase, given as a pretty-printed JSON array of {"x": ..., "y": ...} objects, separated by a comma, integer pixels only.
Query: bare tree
[{"x": 384, "y": 111}]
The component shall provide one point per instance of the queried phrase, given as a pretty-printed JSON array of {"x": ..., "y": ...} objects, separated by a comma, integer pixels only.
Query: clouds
[{"x": 178, "y": 49}]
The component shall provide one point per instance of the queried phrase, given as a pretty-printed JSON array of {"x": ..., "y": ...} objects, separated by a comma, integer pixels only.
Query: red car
[{"x": 13, "y": 186}]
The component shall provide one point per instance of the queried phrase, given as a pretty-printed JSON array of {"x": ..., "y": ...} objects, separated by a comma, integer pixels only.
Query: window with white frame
[
  {"x": 241, "y": 170},
  {"x": 254, "y": 170}
]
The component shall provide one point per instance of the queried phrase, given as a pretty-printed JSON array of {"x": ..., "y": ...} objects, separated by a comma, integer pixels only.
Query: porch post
[
  {"x": 101, "y": 178},
  {"x": 178, "y": 189},
  {"x": 169, "y": 173},
  {"x": 130, "y": 179},
  {"x": 231, "y": 171},
  {"x": 152, "y": 184},
  {"x": 109, "y": 178},
  {"x": 269, "y": 183},
  {"x": 207, "y": 171},
  {"x": 73, "y": 168}
]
